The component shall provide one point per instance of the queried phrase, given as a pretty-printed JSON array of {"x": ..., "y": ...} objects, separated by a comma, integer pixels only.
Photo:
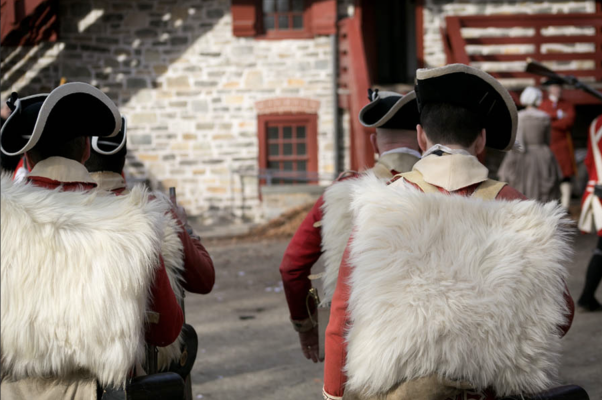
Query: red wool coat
[
  {"x": 561, "y": 143},
  {"x": 303, "y": 251},
  {"x": 588, "y": 201},
  {"x": 336, "y": 347}
]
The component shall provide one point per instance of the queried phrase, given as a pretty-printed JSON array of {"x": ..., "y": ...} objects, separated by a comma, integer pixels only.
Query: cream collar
[
  {"x": 452, "y": 171},
  {"x": 62, "y": 170}
]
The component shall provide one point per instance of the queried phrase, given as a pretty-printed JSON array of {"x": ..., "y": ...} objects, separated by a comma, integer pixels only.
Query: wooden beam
[{"x": 456, "y": 41}]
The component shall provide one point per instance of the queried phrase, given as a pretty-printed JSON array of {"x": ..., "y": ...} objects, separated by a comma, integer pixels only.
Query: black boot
[{"x": 593, "y": 277}]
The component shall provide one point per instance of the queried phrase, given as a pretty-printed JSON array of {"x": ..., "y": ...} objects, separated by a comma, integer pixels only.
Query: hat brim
[
  {"x": 474, "y": 89},
  {"x": 391, "y": 111},
  {"x": 108, "y": 146},
  {"x": 94, "y": 115}
]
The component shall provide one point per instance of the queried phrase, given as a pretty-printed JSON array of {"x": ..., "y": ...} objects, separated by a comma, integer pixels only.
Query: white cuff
[{"x": 330, "y": 397}]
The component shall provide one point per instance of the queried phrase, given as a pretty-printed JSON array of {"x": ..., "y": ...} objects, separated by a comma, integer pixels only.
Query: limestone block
[
  {"x": 147, "y": 157},
  {"x": 136, "y": 20},
  {"x": 140, "y": 139},
  {"x": 178, "y": 82},
  {"x": 205, "y": 125},
  {"x": 200, "y": 106},
  {"x": 253, "y": 79},
  {"x": 136, "y": 83},
  {"x": 144, "y": 118}
]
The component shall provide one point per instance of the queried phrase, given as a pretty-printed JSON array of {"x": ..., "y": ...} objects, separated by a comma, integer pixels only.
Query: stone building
[{"x": 249, "y": 107}]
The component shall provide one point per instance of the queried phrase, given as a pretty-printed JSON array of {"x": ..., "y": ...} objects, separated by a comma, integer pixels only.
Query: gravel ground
[{"x": 248, "y": 349}]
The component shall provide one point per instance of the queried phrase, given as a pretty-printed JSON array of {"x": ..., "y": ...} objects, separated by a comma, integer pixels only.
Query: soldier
[
  {"x": 591, "y": 215},
  {"x": 328, "y": 225},
  {"x": 80, "y": 269},
  {"x": 439, "y": 285},
  {"x": 562, "y": 114},
  {"x": 188, "y": 264}
]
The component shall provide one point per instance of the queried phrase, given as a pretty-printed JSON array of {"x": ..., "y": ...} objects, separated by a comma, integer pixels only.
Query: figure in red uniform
[
  {"x": 190, "y": 267},
  {"x": 328, "y": 226},
  {"x": 81, "y": 271},
  {"x": 591, "y": 215},
  {"x": 436, "y": 293},
  {"x": 562, "y": 114}
]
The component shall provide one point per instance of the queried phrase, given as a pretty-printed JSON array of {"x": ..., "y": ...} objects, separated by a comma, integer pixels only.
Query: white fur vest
[
  {"x": 462, "y": 288},
  {"x": 337, "y": 223},
  {"x": 76, "y": 273}
]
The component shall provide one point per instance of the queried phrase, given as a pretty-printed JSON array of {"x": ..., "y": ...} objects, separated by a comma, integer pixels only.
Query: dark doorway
[{"x": 389, "y": 31}]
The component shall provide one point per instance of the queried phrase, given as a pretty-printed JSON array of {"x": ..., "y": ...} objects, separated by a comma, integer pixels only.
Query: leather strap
[
  {"x": 488, "y": 190},
  {"x": 416, "y": 178}
]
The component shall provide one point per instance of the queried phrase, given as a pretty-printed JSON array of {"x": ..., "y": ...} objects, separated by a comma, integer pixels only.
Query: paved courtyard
[{"x": 248, "y": 349}]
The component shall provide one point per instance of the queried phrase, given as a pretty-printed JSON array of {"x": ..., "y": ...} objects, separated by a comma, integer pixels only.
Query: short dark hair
[
  {"x": 73, "y": 149},
  {"x": 446, "y": 123},
  {"x": 113, "y": 163}
]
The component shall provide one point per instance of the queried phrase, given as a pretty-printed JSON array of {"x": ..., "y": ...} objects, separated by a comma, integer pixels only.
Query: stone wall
[
  {"x": 189, "y": 89},
  {"x": 435, "y": 12}
]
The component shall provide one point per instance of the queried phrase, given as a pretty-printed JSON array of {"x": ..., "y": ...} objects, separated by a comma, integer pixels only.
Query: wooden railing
[
  {"x": 354, "y": 82},
  {"x": 455, "y": 42}
]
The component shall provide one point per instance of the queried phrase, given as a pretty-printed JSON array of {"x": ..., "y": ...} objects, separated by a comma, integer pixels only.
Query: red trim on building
[
  {"x": 28, "y": 22},
  {"x": 420, "y": 33}
]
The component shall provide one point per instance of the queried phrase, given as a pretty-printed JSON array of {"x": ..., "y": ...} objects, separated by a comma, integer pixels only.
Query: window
[
  {"x": 283, "y": 15},
  {"x": 283, "y": 19},
  {"x": 288, "y": 149}
]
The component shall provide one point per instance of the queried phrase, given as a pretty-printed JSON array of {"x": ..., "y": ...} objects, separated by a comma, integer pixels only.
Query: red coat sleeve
[
  {"x": 304, "y": 249},
  {"x": 336, "y": 347},
  {"x": 164, "y": 302},
  {"x": 568, "y": 120},
  {"x": 199, "y": 274}
]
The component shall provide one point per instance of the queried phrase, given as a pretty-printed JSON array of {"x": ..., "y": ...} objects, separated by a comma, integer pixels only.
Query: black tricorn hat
[
  {"x": 69, "y": 111},
  {"x": 108, "y": 146},
  {"x": 476, "y": 90},
  {"x": 390, "y": 110}
]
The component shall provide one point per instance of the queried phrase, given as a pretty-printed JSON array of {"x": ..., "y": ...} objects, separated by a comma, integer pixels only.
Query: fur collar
[
  {"x": 468, "y": 290},
  {"x": 87, "y": 314}
]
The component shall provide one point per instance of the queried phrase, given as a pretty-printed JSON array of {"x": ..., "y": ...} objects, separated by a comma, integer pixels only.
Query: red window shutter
[
  {"x": 324, "y": 17},
  {"x": 244, "y": 17},
  {"x": 29, "y": 22}
]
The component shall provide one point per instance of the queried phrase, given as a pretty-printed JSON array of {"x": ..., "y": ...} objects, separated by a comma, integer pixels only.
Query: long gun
[
  {"x": 188, "y": 387},
  {"x": 537, "y": 68}
]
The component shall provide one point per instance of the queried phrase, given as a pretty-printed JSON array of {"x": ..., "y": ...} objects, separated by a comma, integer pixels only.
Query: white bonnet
[{"x": 530, "y": 96}]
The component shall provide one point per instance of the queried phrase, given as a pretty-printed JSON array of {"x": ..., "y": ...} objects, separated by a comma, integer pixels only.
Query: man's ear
[
  {"x": 87, "y": 150},
  {"x": 374, "y": 143},
  {"x": 481, "y": 141},
  {"x": 421, "y": 136}
]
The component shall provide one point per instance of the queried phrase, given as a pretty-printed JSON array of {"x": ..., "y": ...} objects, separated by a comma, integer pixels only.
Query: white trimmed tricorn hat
[
  {"x": 476, "y": 90},
  {"x": 111, "y": 145},
  {"x": 390, "y": 110},
  {"x": 69, "y": 111}
]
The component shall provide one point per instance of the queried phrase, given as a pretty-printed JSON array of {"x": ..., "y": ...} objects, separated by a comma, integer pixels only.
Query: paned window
[
  {"x": 283, "y": 19},
  {"x": 283, "y": 15},
  {"x": 288, "y": 148}
]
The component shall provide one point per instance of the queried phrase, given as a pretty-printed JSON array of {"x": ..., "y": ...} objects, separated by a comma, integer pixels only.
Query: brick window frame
[
  {"x": 294, "y": 120},
  {"x": 319, "y": 18}
]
